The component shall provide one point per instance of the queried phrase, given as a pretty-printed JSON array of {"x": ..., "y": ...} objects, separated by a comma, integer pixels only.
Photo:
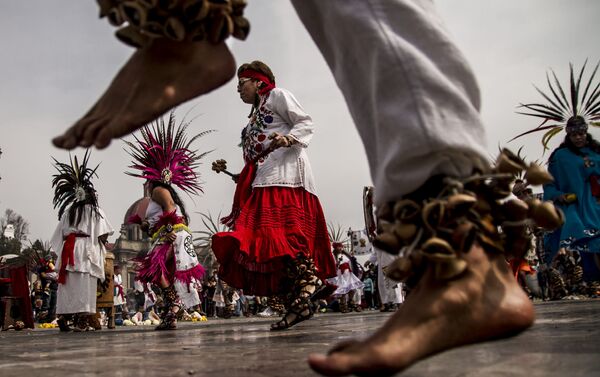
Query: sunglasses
[{"x": 242, "y": 81}]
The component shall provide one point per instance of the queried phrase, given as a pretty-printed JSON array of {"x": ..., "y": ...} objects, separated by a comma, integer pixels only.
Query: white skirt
[
  {"x": 77, "y": 295},
  {"x": 346, "y": 282}
]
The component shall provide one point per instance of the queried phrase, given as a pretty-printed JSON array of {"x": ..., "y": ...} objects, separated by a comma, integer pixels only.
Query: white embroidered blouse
[{"x": 280, "y": 112}]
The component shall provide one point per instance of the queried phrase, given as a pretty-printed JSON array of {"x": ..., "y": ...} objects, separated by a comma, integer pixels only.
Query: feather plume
[
  {"x": 72, "y": 184},
  {"x": 560, "y": 107},
  {"x": 162, "y": 153}
]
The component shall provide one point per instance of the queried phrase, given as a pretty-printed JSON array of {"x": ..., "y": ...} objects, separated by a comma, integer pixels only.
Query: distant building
[
  {"x": 131, "y": 241},
  {"x": 9, "y": 231}
]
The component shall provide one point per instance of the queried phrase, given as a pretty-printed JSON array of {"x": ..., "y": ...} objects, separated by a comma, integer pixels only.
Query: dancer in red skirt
[{"x": 279, "y": 245}]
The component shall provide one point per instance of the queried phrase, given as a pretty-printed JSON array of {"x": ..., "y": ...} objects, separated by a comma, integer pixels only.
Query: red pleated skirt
[{"x": 275, "y": 223}]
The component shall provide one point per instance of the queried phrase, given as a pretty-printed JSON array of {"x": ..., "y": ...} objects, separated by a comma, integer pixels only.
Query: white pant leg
[{"x": 410, "y": 92}]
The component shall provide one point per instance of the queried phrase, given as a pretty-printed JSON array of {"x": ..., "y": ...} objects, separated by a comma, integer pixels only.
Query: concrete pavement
[{"x": 565, "y": 341}]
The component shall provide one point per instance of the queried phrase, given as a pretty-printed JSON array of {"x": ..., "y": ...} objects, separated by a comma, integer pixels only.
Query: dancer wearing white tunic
[{"x": 79, "y": 242}]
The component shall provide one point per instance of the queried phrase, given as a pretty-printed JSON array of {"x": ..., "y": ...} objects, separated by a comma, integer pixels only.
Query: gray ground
[{"x": 565, "y": 341}]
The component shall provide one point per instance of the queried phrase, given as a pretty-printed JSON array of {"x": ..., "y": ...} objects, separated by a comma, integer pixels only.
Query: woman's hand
[
  {"x": 567, "y": 198},
  {"x": 171, "y": 236},
  {"x": 279, "y": 141}
]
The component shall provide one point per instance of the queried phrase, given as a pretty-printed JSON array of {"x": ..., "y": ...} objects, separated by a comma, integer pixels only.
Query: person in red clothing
[{"x": 278, "y": 244}]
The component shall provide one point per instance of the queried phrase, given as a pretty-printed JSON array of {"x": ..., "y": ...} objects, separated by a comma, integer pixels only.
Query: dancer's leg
[
  {"x": 415, "y": 103},
  {"x": 304, "y": 283},
  {"x": 409, "y": 90},
  {"x": 169, "y": 295}
]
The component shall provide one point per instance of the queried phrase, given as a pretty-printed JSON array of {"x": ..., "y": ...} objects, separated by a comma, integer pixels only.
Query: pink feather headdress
[{"x": 163, "y": 154}]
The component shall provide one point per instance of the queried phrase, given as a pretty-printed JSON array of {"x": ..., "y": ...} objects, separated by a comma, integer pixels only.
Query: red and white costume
[
  {"x": 276, "y": 212},
  {"x": 80, "y": 260}
]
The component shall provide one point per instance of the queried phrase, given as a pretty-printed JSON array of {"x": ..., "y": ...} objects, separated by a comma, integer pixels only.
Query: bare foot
[
  {"x": 483, "y": 304},
  {"x": 156, "y": 78}
]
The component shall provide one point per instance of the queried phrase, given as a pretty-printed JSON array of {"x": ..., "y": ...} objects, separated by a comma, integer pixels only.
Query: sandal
[
  {"x": 63, "y": 324},
  {"x": 296, "y": 309},
  {"x": 169, "y": 322}
]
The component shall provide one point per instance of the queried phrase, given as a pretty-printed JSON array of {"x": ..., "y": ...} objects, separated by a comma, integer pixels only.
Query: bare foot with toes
[
  {"x": 156, "y": 78},
  {"x": 484, "y": 303}
]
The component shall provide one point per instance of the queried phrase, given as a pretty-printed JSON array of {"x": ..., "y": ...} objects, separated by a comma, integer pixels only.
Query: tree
[
  {"x": 19, "y": 223},
  {"x": 203, "y": 243}
]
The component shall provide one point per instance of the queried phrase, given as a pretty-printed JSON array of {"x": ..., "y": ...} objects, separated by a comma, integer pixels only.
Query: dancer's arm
[
  {"x": 163, "y": 197},
  {"x": 286, "y": 105}
]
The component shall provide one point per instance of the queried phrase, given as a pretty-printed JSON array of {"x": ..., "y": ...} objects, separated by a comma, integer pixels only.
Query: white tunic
[
  {"x": 78, "y": 294},
  {"x": 280, "y": 112},
  {"x": 88, "y": 251}
]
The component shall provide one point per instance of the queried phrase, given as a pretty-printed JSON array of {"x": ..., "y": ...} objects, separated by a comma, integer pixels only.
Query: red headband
[{"x": 249, "y": 73}]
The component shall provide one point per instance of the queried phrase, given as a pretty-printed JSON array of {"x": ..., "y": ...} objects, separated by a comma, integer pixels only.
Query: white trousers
[
  {"x": 411, "y": 94},
  {"x": 390, "y": 291}
]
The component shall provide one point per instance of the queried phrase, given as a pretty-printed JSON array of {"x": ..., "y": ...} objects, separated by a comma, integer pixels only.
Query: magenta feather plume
[{"x": 163, "y": 154}]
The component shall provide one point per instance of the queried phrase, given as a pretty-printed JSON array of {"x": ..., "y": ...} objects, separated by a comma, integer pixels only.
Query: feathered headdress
[
  {"x": 73, "y": 187},
  {"x": 163, "y": 154},
  {"x": 573, "y": 113}
]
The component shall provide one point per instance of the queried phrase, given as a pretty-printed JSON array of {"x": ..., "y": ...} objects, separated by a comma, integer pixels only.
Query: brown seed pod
[
  {"x": 241, "y": 27},
  {"x": 406, "y": 209},
  {"x": 515, "y": 210},
  {"x": 536, "y": 175},
  {"x": 508, "y": 162},
  {"x": 132, "y": 36},
  {"x": 135, "y": 13},
  {"x": 196, "y": 10},
  {"x": 238, "y": 7},
  {"x": 115, "y": 16},
  {"x": 450, "y": 269},
  {"x": 174, "y": 29},
  {"x": 532, "y": 204},
  {"x": 387, "y": 242},
  {"x": 220, "y": 22},
  {"x": 105, "y": 6},
  {"x": 153, "y": 29},
  {"x": 405, "y": 232},
  {"x": 461, "y": 203},
  {"x": 399, "y": 269},
  {"x": 437, "y": 250},
  {"x": 433, "y": 214},
  {"x": 547, "y": 216},
  {"x": 385, "y": 212}
]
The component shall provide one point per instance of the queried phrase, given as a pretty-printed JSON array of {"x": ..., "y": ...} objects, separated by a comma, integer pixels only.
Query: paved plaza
[{"x": 565, "y": 341}]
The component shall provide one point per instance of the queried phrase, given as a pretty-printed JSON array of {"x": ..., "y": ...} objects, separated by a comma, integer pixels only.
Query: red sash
[
  {"x": 67, "y": 257},
  {"x": 120, "y": 292},
  {"x": 243, "y": 190}
]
